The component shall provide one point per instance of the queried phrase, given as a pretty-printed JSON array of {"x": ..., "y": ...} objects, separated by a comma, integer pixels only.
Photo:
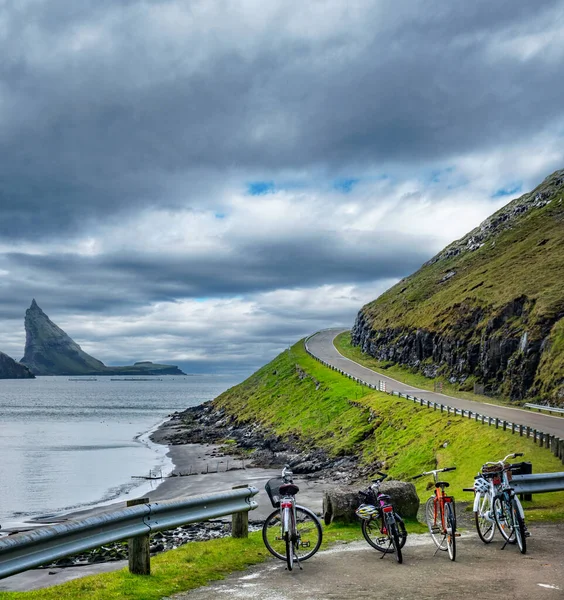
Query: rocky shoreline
[{"x": 258, "y": 446}]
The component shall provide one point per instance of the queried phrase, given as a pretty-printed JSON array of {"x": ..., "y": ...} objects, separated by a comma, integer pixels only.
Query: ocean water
[{"x": 67, "y": 444}]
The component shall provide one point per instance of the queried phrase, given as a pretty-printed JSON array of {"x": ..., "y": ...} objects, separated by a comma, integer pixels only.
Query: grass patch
[{"x": 185, "y": 568}]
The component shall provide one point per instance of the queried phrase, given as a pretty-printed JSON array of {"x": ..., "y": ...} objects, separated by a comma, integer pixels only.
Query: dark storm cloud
[
  {"x": 110, "y": 282},
  {"x": 100, "y": 109}
]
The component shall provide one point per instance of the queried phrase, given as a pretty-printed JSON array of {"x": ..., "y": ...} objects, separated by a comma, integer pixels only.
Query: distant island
[
  {"x": 50, "y": 351},
  {"x": 10, "y": 369}
]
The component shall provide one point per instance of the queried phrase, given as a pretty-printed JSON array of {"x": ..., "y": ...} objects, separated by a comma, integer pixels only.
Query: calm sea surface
[{"x": 68, "y": 444}]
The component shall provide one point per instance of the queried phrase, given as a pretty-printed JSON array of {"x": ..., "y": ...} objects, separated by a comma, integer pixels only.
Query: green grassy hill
[{"x": 489, "y": 308}]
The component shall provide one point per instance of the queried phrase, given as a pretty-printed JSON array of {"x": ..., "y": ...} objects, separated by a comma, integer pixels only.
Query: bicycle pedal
[{"x": 527, "y": 534}]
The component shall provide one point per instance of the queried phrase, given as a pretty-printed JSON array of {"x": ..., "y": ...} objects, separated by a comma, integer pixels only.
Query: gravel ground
[{"x": 352, "y": 571}]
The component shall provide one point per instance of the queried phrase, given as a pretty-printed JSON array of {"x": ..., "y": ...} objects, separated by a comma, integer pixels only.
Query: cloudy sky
[{"x": 203, "y": 182}]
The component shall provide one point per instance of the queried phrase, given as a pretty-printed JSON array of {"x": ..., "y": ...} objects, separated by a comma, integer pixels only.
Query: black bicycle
[{"x": 382, "y": 527}]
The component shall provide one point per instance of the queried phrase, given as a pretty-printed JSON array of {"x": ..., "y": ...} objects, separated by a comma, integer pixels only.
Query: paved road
[
  {"x": 321, "y": 346},
  {"x": 352, "y": 571}
]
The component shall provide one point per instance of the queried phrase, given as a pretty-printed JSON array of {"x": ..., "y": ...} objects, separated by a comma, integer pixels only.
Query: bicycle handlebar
[
  {"x": 434, "y": 472},
  {"x": 497, "y": 462},
  {"x": 286, "y": 473},
  {"x": 382, "y": 477}
]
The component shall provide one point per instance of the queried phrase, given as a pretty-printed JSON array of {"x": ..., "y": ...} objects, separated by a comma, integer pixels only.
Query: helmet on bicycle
[
  {"x": 481, "y": 485},
  {"x": 366, "y": 511}
]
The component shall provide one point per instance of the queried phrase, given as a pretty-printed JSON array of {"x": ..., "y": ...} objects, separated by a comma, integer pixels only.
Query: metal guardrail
[
  {"x": 538, "y": 483},
  {"x": 26, "y": 550},
  {"x": 549, "y": 409},
  {"x": 549, "y": 441}
]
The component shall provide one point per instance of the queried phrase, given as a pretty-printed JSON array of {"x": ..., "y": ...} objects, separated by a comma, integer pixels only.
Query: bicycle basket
[
  {"x": 369, "y": 497},
  {"x": 272, "y": 488},
  {"x": 491, "y": 470}
]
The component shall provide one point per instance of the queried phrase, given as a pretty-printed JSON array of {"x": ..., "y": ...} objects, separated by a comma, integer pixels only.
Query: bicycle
[
  {"x": 440, "y": 514},
  {"x": 291, "y": 532},
  {"x": 497, "y": 505},
  {"x": 382, "y": 527}
]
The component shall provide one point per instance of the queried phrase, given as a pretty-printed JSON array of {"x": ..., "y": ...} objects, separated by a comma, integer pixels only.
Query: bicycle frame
[
  {"x": 380, "y": 510},
  {"x": 503, "y": 487},
  {"x": 441, "y": 514},
  {"x": 499, "y": 505},
  {"x": 440, "y": 500},
  {"x": 509, "y": 492},
  {"x": 288, "y": 521}
]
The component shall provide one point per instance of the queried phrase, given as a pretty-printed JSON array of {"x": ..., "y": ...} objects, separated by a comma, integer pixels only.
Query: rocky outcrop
[
  {"x": 488, "y": 309},
  {"x": 10, "y": 369},
  {"x": 504, "y": 357},
  {"x": 50, "y": 351}
]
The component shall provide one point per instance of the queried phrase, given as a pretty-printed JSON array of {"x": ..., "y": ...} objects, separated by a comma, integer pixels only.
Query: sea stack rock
[
  {"x": 50, "y": 351},
  {"x": 10, "y": 369}
]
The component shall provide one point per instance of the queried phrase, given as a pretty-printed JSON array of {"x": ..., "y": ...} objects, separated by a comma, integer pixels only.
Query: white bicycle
[{"x": 496, "y": 504}]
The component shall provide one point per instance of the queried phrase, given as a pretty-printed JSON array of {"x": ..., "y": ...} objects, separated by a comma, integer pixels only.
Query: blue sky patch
[
  {"x": 438, "y": 175},
  {"x": 345, "y": 185},
  {"x": 508, "y": 190},
  {"x": 259, "y": 188}
]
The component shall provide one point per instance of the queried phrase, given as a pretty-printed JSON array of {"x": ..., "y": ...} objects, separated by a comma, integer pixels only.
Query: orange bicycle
[{"x": 440, "y": 514}]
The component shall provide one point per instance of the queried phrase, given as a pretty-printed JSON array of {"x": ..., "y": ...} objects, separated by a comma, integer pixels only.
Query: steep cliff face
[
  {"x": 10, "y": 369},
  {"x": 50, "y": 351},
  {"x": 488, "y": 308}
]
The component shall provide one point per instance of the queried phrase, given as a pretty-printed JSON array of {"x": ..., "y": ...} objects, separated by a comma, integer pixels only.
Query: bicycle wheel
[
  {"x": 504, "y": 518},
  {"x": 435, "y": 523},
  {"x": 308, "y": 530},
  {"x": 485, "y": 523},
  {"x": 272, "y": 535},
  {"x": 519, "y": 525},
  {"x": 450, "y": 522},
  {"x": 395, "y": 540},
  {"x": 376, "y": 535},
  {"x": 289, "y": 551}
]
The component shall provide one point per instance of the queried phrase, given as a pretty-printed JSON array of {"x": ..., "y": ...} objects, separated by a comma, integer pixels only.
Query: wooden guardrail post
[
  {"x": 138, "y": 548},
  {"x": 554, "y": 445},
  {"x": 240, "y": 520}
]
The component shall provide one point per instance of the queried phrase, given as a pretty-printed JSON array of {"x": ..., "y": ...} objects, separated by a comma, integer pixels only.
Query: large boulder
[{"x": 340, "y": 503}]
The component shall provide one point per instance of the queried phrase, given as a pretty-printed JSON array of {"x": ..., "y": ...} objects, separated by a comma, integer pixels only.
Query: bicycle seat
[
  {"x": 289, "y": 489},
  {"x": 384, "y": 497},
  {"x": 442, "y": 484}
]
